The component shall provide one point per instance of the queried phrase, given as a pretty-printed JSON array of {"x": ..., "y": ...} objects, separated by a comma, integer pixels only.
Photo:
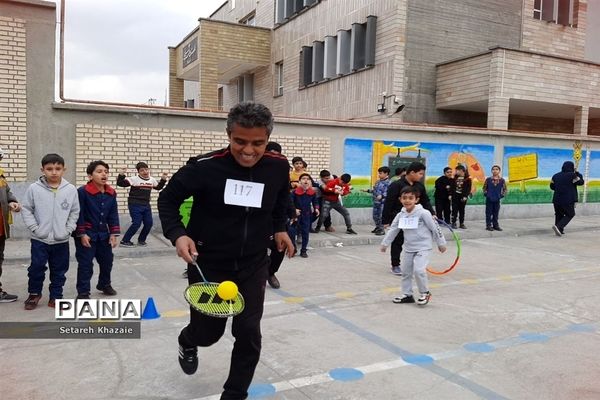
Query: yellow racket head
[{"x": 203, "y": 297}]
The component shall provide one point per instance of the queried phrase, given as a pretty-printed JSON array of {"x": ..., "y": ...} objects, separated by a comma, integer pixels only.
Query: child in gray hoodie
[
  {"x": 50, "y": 212},
  {"x": 419, "y": 226}
]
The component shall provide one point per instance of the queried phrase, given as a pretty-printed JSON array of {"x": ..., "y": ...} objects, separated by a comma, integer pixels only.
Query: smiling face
[
  {"x": 408, "y": 200},
  {"x": 248, "y": 144},
  {"x": 100, "y": 176},
  {"x": 53, "y": 173}
]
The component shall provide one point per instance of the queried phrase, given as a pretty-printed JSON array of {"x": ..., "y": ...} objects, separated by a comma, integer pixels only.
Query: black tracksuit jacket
[{"x": 227, "y": 237}]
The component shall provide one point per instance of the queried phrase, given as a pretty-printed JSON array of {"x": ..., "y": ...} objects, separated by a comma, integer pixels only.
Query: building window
[
  {"x": 289, "y": 9},
  {"x": 560, "y": 12},
  {"x": 232, "y": 4},
  {"x": 249, "y": 19},
  {"x": 220, "y": 98},
  {"x": 246, "y": 88},
  {"x": 189, "y": 103},
  {"x": 348, "y": 52},
  {"x": 279, "y": 77}
]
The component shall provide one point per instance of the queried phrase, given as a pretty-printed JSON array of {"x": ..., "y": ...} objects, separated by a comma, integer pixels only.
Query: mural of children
[
  {"x": 565, "y": 196},
  {"x": 444, "y": 186},
  {"x": 494, "y": 189},
  {"x": 306, "y": 205},
  {"x": 379, "y": 193},
  {"x": 460, "y": 196}
]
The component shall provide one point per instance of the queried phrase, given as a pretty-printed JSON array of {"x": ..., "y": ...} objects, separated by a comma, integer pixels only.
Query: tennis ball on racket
[{"x": 227, "y": 290}]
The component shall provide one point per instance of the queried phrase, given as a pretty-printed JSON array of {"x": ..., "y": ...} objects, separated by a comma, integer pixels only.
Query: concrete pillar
[
  {"x": 209, "y": 40},
  {"x": 498, "y": 113},
  {"x": 498, "y": 104},
  {"x": 581, "y": 121},
  {"x": 175, "y": 84}
]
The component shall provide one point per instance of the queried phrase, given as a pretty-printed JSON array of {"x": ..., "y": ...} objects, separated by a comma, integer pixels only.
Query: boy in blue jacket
[
  {"x": 379, "y": 193},
  {"x": 494, "y": 189},
  {"x": 97, "y": 230},
  {"x": 305, "y": 201}
]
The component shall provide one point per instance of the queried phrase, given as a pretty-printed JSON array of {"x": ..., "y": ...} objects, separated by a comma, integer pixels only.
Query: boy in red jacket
[{"x": 332, "y": 191}]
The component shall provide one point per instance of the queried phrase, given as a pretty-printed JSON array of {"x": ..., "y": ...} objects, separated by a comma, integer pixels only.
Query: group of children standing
[
  {"x": 452, "y": 192},
  {"x": 53, "y": 211}
]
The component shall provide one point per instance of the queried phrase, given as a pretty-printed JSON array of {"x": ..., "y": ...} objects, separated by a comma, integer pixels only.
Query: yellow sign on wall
[{"x": 523, "y": 167}]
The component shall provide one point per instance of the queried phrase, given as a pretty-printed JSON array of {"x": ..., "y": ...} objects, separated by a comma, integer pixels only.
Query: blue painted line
[
  {"x": 582, "y": 328},
  {"x": 258, "y": 390},
  {"x": 346, "y": 374},
  {"x": 418, "y": 359},
  {"x": 534, "y": 337},
  {"x": 450, "y": 376},
  {"x": 479, "y": 347}
]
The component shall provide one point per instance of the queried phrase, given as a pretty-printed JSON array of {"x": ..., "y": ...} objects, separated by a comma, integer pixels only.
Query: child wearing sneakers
[
  {"x": 97, "y": 230},
  {"x": 332, "y": 191},
  {"x": 50, "y": 211},
  {"x": 419, "y": 227},
  {"x": 138, "y": 201},
  {"x": 306, "y": 205}
]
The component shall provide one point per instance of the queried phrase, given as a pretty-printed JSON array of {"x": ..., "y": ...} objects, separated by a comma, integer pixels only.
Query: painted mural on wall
[
  {"x": 362, "y": 158},
  {"x": 529, "y": 170}
]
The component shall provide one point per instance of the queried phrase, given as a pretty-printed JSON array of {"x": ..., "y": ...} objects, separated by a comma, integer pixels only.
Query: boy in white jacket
[
  {"x": 50, "y": 211},
  {"x": 419, "y": 227}
]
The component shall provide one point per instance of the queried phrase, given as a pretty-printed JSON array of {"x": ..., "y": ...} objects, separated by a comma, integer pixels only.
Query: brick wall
[
  {"x": 594, "y": 127},
  {"x": 540, "y": 124},
  {"x": 13, "y": 97},
  {"x": 166, "y": 150}
]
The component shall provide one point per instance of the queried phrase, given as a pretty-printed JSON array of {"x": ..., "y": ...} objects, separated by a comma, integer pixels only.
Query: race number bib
[
  {"x": 408, "y": 223},
  {"x": 242, "y": 193}
]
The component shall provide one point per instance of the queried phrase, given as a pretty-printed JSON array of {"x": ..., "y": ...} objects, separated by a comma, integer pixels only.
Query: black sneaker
[
  {"x": 351, "y": 231},
  {"x": 83, "y": 296},
  {"x": 127, "y": 244},
  {"x": 489, "y": 228},
  {"x": 374, "y": 230},
  {"x": 463, "y": 226},
  {"x": 557, "y": 231},
  {"x": 274, "y": 282},
  {"x": 497, "y": 228},
  {"x": 107, "y": 290},
  {"x": 188, "y": 359},
  {"x": 404, "y": 299},
  {"x": 142, "y": 244},
  {"x": 379, "y": 232},
  {"x": 7, "y": 298},
  {"x": 303, "y": 254},
  {"x": 453, "y": 225}
]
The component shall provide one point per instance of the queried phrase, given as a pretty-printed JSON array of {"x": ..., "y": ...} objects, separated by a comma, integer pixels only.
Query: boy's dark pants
[
  {"x": 139, "y": 213},
  {"x": 396, "y": 249},
  {"x": 204, "y": 331},
  {"x": 322, "y": 222},
  {"x": 302, "y": 227},
  {"x": 563, "y": 214},
  {"x": 2, "y": 243},
  {"x": 276, "y": 258},
  {"x": 57, "y": 257},
  {"x": 492, "y": 208},
  {"x": 377, "y": 212},
  {"x": 102, "y": 251},
  {"x": 442, "y": 209},
  {"x": 458, "y": 209}
]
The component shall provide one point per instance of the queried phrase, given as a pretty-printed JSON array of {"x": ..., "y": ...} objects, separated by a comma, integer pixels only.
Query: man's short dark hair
[
  {"x": 496, "y": 166},
  {"x": 273, "y": 146},
  {"x": 399, "y": 171},
  {"x": 346, "y": 178},
  {"x": 411, "y": 189},
  {"x": 141, "y": 165},
  {"x": 447, "y": 169},
  {"x": 53, "y": 158},
  {"x": 415, "y": 167},
  {"x": 250, "y": 115},
  {"x": 460, "y": 167},
  {"x": 385, "y": 170},
  {"x": 92, "y": 166},
  {"x": 324, "y": 173}
]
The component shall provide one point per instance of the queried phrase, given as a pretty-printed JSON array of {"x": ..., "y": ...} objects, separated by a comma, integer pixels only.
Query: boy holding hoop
[{"x": 419, "y": 228}]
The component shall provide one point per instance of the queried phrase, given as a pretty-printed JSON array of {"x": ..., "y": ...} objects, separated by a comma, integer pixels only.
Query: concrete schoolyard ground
[{"x": 517, "y": 319}]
